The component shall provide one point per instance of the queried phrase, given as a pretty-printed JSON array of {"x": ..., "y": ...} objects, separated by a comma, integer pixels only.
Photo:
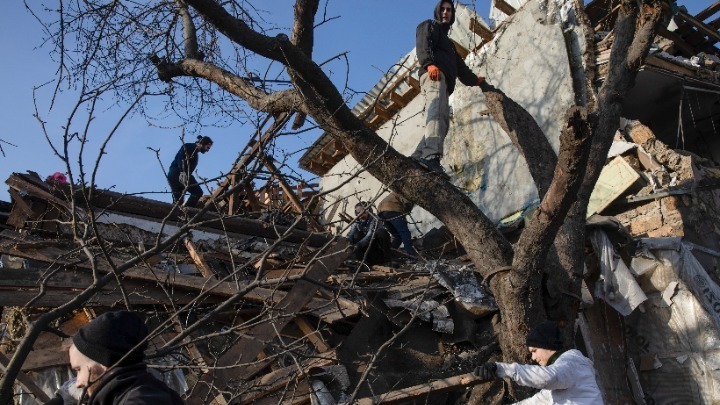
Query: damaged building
[{"x": 256, "y": 304}]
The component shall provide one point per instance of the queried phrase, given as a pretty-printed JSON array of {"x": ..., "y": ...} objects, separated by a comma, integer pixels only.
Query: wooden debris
[
  {"x": 419, "y": 391},
  {"x": 25, "y": 381}
]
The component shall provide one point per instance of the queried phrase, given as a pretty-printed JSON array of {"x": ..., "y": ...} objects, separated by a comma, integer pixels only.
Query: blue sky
[{"x": 375, "y": 34}]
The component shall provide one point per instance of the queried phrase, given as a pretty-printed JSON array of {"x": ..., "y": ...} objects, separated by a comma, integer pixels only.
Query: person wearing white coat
[{"x": 563, "y": 376}]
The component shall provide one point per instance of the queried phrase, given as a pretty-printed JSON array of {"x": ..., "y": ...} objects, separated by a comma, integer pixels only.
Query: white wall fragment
[{"x": 616, "y": 286}]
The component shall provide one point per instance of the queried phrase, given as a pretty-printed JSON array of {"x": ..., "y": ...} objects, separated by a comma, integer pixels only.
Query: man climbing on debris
[
  {"x": 440, "y": 66},
  {"x": 180, "y": 173},
  {"x": 370, "y": 241},
  {"x": 392, "y": 210},
  {"x": 107, "y": 357},
  {"x": 563, "y": 376}
]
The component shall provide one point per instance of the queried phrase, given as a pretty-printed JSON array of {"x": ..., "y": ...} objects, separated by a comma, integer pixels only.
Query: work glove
[
  {"x": 433, "y": 73},
  {"x": 183, "y": 179},
  {"x": 481, "y": 80},
  {"x": 486, "y": 372},
  {"x": 56, "y": 400}
]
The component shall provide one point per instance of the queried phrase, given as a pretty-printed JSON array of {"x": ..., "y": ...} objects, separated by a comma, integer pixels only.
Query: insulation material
[
  {"x": 616, "y": 285},
  {"x": 674, "y": 329},
  {"x": 429, "y": 311},
  {"x": 464, "y": 286}
]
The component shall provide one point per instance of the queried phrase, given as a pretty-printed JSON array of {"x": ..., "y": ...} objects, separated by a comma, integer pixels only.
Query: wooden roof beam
[
  {"x": 702, "y": 27},
  {"x": 708, "y": 12},
  {"x": 382, "y": 112},
  {"x": 503, "y": 6},
  {"x": 413, "y": 82},
  {"x": 482, "y": 30},
  {"x": 398, "y": 99},
  {"x": 677, "y": 40}
]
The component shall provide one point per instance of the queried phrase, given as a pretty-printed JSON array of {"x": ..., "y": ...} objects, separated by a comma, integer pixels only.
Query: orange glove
[
  {"x": 433, "y": 72},
  {"x": 481, "y": 80}
]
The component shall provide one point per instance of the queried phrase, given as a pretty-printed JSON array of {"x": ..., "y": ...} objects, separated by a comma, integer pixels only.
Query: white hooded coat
[{"x": 570, "y": 380}]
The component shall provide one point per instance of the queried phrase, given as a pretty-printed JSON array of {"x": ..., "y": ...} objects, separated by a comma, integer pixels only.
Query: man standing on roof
[
  {"x": 440, "y": 66},
  {"x": 180, "y": 173},
  {"x": 564, "y": 376}
]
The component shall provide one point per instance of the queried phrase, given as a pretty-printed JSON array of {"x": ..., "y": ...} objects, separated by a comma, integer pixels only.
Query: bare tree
[{"x": 197, "y": 53}]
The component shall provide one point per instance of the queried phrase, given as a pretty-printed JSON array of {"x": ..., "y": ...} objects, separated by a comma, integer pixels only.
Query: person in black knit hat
[
  {"x": 107, "y": 357},
  {"x": 563, "y": 376}
]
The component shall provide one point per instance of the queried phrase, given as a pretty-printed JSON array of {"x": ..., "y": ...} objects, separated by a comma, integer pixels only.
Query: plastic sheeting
[
  {"x": 616, "y": 285},
  {"x": 463, "y": 284},
  {"x": 676, "y": 334}
]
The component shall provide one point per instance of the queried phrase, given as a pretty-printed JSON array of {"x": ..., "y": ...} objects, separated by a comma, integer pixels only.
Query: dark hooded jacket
[
  {"x": 133, "y": 385},
  {"x": 434, "y": 47},
  {"x": 186, "y": 160}
]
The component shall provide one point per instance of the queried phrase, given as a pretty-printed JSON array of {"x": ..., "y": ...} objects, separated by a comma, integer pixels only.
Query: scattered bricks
[
  {"x": 645, "y": 224},
  {"x": 648, "y": 208},
  {"x": 672, "y": 218},
  {"x": 666, "y": 231},
  {"x": 639, "y": 132},
  {"x": 672, "y": 203},
  {"x": 626, "y": 217}
]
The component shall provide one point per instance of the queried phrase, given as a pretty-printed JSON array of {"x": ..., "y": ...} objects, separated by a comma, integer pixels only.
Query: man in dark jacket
[
  {"x": 370, "y": 241},
  {"x": 107, "y": 356},
  {"x": 440, "y": 66},
  {"x": 180, "y": 173}
]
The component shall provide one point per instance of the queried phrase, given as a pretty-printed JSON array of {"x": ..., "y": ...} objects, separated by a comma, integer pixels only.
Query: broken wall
[
  {"x": 478, "y": 154},
  {"x": 682, "y": 197}
]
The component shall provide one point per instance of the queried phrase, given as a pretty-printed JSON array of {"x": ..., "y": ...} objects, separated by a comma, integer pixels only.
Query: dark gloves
[
  {"x": 486, "y": 372},
  {"x": 56, "y": 400}
]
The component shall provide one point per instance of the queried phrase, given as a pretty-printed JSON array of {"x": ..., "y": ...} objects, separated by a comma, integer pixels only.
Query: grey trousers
[{"x": 437, "y": 118}]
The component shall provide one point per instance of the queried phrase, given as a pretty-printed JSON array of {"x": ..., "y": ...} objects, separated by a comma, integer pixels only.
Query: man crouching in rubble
[
  {"x": 107, "y": 357},
  {"x": 563, "y": 376},
  {"x": 370, "y": 241}
]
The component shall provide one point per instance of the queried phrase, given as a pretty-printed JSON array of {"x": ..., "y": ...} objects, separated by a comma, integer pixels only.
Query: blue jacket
[{"x": 186, "y": 159}]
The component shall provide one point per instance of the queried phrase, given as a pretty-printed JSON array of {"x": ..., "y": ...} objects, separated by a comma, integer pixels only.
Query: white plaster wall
[
  {"x": 528, "y": 61},
  {"x": 403, "y": 133}
]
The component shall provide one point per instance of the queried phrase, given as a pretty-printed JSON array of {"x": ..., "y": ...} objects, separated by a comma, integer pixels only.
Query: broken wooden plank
[
  {"x": 44, "y": 358},
  {"x": 708, "y": 12},
  {"x": 157, "y": 212},
  {"x": 252, "y": 148},
  {"x": 277, "y": 379},
  {"x": 25, "y": 381},
  {"x": 482, "y": 30},
  {"x": 198, "y": 259},
  {"x": 701, "y": 26},
  {"x": 503, "y": 6},
  {"x": 678, "y": 41},
  {"x": 419, "y": 391},
  {"x": 312, "y": 334},
  {"x": 247, "y": 349},
  {"x": 171, "y": 280},
  {"x": 55, "y": 298}
]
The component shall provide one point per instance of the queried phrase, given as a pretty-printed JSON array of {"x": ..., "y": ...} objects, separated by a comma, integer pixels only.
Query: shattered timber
[{"x": 251, "y": 298}]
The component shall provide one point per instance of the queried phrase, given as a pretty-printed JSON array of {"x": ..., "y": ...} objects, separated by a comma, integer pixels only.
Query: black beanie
[
  {"x": 110, "y": 336},
  {"x": 545, "y": 336}
]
